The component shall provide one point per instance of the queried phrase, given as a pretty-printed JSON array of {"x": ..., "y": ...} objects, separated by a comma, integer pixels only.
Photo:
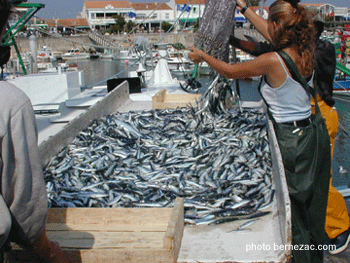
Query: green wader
[{"x": 307, "y": 163}]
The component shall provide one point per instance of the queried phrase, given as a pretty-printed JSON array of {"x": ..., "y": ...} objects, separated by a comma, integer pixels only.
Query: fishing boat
[
  {"x": 341, "y": 84},
  {"x": 175, "y": 59},
  {"x": 341, "y": 87},
  {"x": 75, "y": 53},
  {"x": 129, "y": 56}
]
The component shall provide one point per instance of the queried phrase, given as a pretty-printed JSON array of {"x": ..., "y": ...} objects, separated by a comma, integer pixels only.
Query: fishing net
[
  {"x": 215, "y": 28},
  {"x": 212, "y": 37}
]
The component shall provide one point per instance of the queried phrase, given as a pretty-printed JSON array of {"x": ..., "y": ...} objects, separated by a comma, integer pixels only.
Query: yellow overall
[{"x": 337, "y": 218}]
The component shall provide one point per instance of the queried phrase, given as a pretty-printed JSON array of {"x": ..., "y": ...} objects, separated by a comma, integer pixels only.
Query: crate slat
[
  {"x": 114, "y": 234},
  {"x": 162, "y": 100}
]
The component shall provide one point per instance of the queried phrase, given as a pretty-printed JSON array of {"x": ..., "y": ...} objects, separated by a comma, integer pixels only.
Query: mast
[{"x": 262, "y": 2}]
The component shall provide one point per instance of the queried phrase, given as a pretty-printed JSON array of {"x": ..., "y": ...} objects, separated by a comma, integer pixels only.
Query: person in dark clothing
[
  {"x": 337, "y": 219},
  {"x": 325, "y": 65}
]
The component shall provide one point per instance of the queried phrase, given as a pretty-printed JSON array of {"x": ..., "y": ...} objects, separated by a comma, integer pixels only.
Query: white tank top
[{"x": 290, "y": 101}]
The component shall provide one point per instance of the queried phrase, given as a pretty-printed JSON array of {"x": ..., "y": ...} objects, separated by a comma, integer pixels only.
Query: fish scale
[{"x": 150, "y": 165}]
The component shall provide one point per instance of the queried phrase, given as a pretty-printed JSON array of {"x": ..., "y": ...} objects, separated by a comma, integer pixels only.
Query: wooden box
[
  {"x": 115, "y": 234},
  {"x": 162, "y": 100}
]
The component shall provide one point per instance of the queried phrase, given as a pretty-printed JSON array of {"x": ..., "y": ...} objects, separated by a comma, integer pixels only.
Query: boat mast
[{"x": 262, "y": 2}]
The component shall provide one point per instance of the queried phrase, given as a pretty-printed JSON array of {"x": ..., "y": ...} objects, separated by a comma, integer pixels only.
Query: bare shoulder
[{"x": 269, "y": 57}]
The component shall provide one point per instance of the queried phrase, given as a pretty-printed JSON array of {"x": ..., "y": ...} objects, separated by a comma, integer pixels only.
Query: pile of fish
[{"x": 220, "y": 164}]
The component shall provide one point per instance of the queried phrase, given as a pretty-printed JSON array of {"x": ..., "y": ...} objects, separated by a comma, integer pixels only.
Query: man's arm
[{"x": 252, "y": 47}]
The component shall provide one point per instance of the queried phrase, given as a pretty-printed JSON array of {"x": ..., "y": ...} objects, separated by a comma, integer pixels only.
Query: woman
[
  {"x": 337, "y": 219},
  {"x": 306, "y": 159}
]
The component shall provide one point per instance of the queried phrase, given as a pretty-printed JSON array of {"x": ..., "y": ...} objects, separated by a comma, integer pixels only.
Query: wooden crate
[
  {"x": 115, "y": 234},
  {"x": 162, "y": 100}
]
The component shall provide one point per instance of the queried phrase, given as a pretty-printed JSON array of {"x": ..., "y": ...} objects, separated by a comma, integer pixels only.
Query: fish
[{"x": 217, "y": 159}]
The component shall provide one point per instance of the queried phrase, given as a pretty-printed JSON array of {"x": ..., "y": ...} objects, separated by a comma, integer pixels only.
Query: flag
[
  {"x": 187, "y": 8},
  {"x": 132, "y": 14}
]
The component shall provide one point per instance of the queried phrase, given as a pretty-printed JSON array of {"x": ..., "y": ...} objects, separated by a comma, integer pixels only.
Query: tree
[
  {"x": 254, "y": 2},
  {"x": 129, "y": 27},
  {"x": 166, "y": 26},
  {"x": 196, "y": 25},
  {"x": 119, "y": 25}
]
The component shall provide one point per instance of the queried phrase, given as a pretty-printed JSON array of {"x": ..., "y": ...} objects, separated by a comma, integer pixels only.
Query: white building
[
  {"x": 151, "y": 15},
  {"x": 188, "y": 13},
  {"x": 101, "y": 14},
  {"x": 330, "y": 11}
]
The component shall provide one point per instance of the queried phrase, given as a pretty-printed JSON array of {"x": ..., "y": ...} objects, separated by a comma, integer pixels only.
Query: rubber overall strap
[
  {"x": 268, "y": 110},
  {"x": 297, "y": 76}
]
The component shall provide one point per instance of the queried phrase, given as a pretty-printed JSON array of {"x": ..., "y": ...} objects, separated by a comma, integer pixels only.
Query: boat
[
  {"x": 276, "y": 225},
  {"x": 46, "y": 54},
  {"x": 152, "y": 81},
  {"x": 175, "y": 58},
  {"x": 95, "y": 55},
  {"x": 129, "y": 56},
  {"x": 74, "y": 53},
  {"x": 341, "y": 83},
  {"x": 341, "y": 87}
]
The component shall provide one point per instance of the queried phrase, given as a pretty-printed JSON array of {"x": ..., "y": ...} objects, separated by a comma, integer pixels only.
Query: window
[
  {"x": 167, "y": 16},
  {"x": 110, "y": 15},
  {"x": 100, "y": 15}
]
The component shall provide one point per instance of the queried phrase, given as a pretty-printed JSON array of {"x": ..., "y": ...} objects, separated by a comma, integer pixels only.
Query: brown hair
[
  {"x": 5, "y": 11},
  {"x": 294, "y": 27}
]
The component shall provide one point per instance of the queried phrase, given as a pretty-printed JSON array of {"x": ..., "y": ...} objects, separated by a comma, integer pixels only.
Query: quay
[{"x": 64, "y": 43}]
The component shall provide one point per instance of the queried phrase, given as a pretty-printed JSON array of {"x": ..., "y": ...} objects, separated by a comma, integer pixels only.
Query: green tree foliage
[
  {"x": 253, "y": 2},
  {"x": 119, "y": 25},
  {"x": 196, "y": 25},
  {"x": 130, "y": 26},
  {"x": 166, "y": 26}
]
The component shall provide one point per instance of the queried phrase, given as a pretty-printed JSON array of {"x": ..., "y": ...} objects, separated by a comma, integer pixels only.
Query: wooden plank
[
  {"x": 136, "y": 255},
  {"x": 162, "y": 226},
  {"x": 159, "y": 96},
  {"x": 174, "y": 232},
  {"x": 175, "y": 225},
  {"x": 103, "y": 255},
  {"x": 127, "y": 216},
  {"x": 165, "y": 101},
  {"x": 107, "y": 240},
  {"x": 115, "y": 234}
]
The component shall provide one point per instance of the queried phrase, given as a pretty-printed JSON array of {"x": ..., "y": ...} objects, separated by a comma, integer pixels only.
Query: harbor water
[{"x": 97, "y": 72}]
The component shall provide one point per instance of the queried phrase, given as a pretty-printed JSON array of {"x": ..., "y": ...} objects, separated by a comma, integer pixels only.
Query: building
[
  {"x": 101, "y": 14},
  {"x": 330, "y": 12},
  {"x": 71, "y": 25},
  {"x": 151, "y": 15},
  {"x": 187, "y": 15}
]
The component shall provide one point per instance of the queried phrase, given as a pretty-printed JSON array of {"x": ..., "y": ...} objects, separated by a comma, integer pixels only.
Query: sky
[{"x": 71, "y": 8}]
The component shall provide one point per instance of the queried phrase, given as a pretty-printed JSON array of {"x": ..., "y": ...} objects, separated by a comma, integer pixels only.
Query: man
[
  {"x": 337, "y": 219},
  {"x": 23, "y": 199}
]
